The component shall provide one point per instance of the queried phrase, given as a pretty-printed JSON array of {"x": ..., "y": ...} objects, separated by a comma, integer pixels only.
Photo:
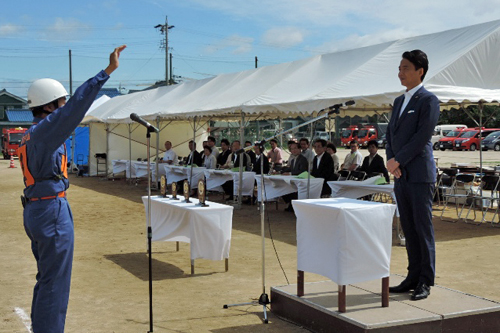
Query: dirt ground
[{"x": 110, "y": 274}]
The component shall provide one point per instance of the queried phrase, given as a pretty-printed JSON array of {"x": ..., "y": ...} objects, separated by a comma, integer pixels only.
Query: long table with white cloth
[
  {"x": 346, "y": 240},
  {"x": 357, "y": 189},
  {"x": 206, "y": 229},
  {"x": 277, "y": 186},
  {"x": 136, "y": 169},
  {"x": 215, "y": 179},
  {"x": 175, "y": 173}
]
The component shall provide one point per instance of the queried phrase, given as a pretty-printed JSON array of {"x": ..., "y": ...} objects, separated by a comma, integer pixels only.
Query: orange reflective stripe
[
  {"x": 60, "y": 195},
  {"x": 23, "y": 160},
  {"x": 64, "y": 163}
]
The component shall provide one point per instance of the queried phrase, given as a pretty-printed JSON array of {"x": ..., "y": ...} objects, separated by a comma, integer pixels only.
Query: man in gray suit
[{"x": 411, "y": 161}]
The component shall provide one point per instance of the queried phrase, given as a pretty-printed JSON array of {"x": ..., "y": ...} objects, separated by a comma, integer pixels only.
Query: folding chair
[
  {"x": 482, "y": 201},
  {"x": 357, "y": 175},
  {"x": 441, "y": 186},
  {"x": 343, "y": 175},
  {"x": 460, "y": 183}
]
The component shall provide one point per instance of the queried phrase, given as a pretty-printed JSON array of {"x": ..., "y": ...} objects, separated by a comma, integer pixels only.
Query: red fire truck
[
  {"x": 349, "y": 134},
  {"x": 11, "y": 138},
  {"x": 371, "y": 132}
]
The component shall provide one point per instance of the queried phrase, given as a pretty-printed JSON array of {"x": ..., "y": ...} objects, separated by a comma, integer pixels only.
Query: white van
[{"x": 440, "y": 131}]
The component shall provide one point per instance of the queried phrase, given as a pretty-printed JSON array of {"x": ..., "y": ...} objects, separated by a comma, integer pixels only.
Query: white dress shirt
[{"x": 408, "y": 95}]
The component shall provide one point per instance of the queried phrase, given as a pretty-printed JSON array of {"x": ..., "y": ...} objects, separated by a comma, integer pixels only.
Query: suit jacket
[
  {"x": 325, "y": 169},
  {"x": 197, "y": 159},
  {"x": 377, "y": 166},
  {"x": 300, "y": 165},
  {"x": 246, "y": 160},
  {"x": 409, "y": 136},
  {"x": 256, "y": 165},
  {"x": 222, "y": 158}
]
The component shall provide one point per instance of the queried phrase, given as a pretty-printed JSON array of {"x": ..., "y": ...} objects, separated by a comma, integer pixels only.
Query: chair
[
  {"x": 444, "y": 178},
  {"x": 459, "y": 190},
  {"x": 101, "y": 161},
  {"x": 484, "y": 202},
  {"x": 357, "y": 175},
  {"x": 343, "y": 175}
]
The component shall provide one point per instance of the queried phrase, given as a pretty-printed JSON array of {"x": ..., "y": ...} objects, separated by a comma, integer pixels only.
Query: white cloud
[
  {"x": 66, "y": 30},
  {"x": 10, "y": 29},
  {"x": 284, "y": 37},
  {"x": 237, "y": 44}
]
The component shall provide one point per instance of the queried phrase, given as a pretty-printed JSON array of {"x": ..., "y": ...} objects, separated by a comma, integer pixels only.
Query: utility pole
[{"x": 164, "y": 44}]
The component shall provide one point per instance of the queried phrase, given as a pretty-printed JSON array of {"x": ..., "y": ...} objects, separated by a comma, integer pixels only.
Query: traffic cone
[{"x": 12, "y": 165}]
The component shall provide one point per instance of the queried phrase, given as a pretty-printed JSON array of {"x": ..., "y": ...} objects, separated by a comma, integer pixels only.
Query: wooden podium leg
[
  {"x": 300, "y": 283},
  {"x": 385, "y": 292},
  {"x": 192, "y": 266},
  {"x": 342, "y": 292},
  {"x": 227, "y": 264},
  {"x": 177, "y": 246}
]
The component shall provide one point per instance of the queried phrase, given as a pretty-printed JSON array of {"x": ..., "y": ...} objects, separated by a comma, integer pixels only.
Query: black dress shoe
[
  {"x": 403, "y": 287},
  {"x": 421, "y": 292}
]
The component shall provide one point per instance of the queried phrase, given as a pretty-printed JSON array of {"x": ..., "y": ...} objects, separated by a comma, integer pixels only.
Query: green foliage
[{"x": 459, "y": 116}]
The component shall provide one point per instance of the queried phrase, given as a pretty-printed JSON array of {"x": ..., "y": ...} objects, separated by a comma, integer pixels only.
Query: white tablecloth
[
  {"x": 277, "y": 186},
  {"x": 346, "y": 240},
  {"x": 356, "y": 189},
  {"x": 140, "y": 170},
  {"x": 207, "y": 229},
  {"x": 215, "y": 178},
  {"x": 175, "y": 173},
  {"x": 121, "y": 166}
]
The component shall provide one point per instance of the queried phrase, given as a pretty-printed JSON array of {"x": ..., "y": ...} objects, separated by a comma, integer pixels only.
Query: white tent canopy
[{"x": 463, "y": 67}]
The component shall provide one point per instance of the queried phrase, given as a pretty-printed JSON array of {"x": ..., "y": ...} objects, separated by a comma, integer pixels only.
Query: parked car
[
  {"x": 470, "y": 140},
  {"x": 382, "y": 142},
  {"x": 492, "y": 141},
  {"x": 448, "y": 142},
  {"x": 441, "y": 131}
]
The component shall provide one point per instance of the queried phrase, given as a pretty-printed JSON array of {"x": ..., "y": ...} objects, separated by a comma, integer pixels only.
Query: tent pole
[
  {"x": 157, "y": 151},
  {"x": 480, "y": 105},
  {"x": 90, "y": 145},
  {"x": 107, "y": 149},
  {"x": 192, "y": 156},
  {"x": 242, "y": 140},
  {"x": 129, "y": 152}
]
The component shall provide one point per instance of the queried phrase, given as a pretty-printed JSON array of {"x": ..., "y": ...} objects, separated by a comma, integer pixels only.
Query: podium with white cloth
[
  {"x": 278, "y": 186},
  {"x": 175, "y": 173},
  {"x": 215, "y": 179},
  {"x": 346, "y": 240},
  {"x": 206, "y": 229}
]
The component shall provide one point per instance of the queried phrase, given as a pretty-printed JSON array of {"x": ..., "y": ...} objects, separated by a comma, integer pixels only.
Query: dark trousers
[
  {"x": 228, "y": 188},
  {"x": 49, "y": 225},
  {"x": 415, "y": 209}
]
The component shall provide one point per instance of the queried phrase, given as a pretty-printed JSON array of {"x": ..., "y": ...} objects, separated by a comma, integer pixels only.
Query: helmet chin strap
[{"x": 55, "y": 104}]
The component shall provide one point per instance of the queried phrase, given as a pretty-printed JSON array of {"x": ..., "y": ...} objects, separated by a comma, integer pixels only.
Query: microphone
[
  {"x": 335, "y": 108},
  {"x": 135, "y": 117}
]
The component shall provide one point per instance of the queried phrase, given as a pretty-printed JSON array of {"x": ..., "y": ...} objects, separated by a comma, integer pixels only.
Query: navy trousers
[
  {"x": 49, "y": 225},
  {"x": 415, "y": 209}
]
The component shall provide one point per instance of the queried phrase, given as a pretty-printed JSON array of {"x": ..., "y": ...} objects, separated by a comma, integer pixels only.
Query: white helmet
[{"x": 44, "y": 91}]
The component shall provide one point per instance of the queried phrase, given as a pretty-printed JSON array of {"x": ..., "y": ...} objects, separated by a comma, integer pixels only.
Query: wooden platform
[{"x": 445, "y": 310}]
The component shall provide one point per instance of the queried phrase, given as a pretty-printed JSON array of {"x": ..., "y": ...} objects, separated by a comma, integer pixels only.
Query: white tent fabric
[{"x": 463, "y": 67}]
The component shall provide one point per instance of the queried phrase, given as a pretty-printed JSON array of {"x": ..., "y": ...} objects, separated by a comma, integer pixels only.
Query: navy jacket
[{"x": 409, "y": 136}]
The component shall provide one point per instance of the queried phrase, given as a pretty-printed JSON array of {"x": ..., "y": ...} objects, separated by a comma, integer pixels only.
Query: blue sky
[{"x": 210, "y": 37}]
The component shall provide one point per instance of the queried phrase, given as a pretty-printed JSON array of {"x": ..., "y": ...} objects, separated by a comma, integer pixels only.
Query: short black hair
[
  {"x": 290, "y": 143},
  {"x": 304, "y": 139},
  {"x": 248, "y": 142},
  {"x": 211, "y": 138},
  {"x": 372, "y": 142},
  {"x": 332, "y": 147},
  {"x": 194, "y": 143},
  {"x": 225, "y": 141},
  {"x": 419, "y": 59},
  {"x": 323, "y": 142},
  {"x": 207, "y": 147},
  {"x": 355, "y": 142},
  {"x": 274, "y": 140}
]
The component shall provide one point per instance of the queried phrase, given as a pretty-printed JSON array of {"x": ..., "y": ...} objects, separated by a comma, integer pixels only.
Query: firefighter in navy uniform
[{"x": 47, "y": 216}]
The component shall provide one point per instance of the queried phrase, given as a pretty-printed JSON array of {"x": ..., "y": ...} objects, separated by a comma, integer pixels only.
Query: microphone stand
[
  {"x": 150, "y": 233},
  {"x": 264, "y": 298}
]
